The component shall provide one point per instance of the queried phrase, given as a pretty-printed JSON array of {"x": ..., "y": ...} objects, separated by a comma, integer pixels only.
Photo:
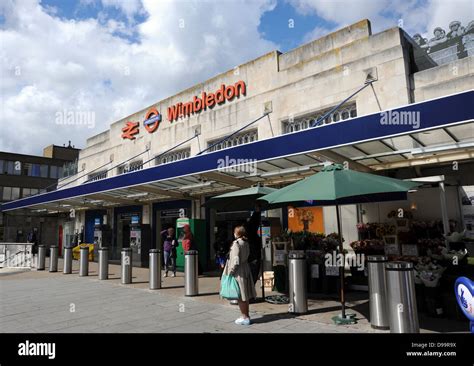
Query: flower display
[{"x": 368, "y": 247}]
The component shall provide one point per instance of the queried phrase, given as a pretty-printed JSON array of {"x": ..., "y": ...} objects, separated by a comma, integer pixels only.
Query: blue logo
[{"x": 464, "y": 292}]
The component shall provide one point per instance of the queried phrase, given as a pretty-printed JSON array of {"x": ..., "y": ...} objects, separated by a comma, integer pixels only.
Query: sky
[{"x": 71, "y": 68}]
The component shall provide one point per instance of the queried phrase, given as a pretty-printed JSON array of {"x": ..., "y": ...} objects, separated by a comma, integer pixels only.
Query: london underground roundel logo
[{"x": 152, "y": 120}]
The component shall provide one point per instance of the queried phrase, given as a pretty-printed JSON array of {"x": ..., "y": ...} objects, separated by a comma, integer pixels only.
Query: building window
[
  {"x": 10, "y": 193},
  {"x": 173, "y": 156},
  {"x": 69, "y": 169},
  {"x": 238, "y": 139},
  {"x": 44, "y": 171},
  {"x": 97, "y": 176},
  {"x": 302, "y": 123},
  {"x": 29, "y": 192},
  {"x": 53, "y": 171},
  {"x": 11, "y": 167},
  {"x": 34, "y": 170},
  {"x": 130, "y": 167}
]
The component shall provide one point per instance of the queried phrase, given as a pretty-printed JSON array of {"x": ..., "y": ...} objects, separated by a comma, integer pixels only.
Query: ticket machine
[
  {"x": 140, "y": 242},
  {"x": 102, "y": 236}
]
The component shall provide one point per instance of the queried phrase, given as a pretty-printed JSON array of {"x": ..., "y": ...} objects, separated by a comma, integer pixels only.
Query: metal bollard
[
  {"x": 155, "y": 269},
  {"x": 41, "y": 258},
  {"x": 103, "y": 263},
  {"x": 126, "y": 265},
  {"x": 297, "y": 274},
  {"x": 67, "y": 265},
  {"x": 191, "y": 282},
  {"x": 84, "y": 262},
  {"x": 53, "y": 258},
  {"x": 377, "y": 291},
  {"x": 403, "y": 315}
]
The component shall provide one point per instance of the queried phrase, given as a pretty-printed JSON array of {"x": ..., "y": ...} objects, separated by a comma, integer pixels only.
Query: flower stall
[
  {"x": 437, "y": 260},
  {"x": 320, "y": 278}
]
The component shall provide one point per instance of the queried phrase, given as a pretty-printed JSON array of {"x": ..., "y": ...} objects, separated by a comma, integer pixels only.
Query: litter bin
[
  {"x": 126, "y": 265},
  {"x": 41, "y": 258},
  {"x": 53, "y": 258},
  {"x": 155, "y": 269},
  {"x": 377, "y": 291},
  {"x": 103, "y": 263},
  {"x": 67, "y": 267},
  {"x": 403, "y": 316},
  {"x": 84, "y": 262},
  {"x": 191, "y": 282},
  {"x": 297, "y": 280}
]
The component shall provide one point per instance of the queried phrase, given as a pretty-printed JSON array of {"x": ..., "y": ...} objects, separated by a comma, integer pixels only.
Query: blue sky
[{"x": 274, "y": 24}]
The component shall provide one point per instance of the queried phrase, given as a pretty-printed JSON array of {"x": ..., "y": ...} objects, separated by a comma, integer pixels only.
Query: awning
[{"x": 446, "y": 129}]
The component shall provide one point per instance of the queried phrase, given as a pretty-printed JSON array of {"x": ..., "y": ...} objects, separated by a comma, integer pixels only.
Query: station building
[{"x": 373, "y": 102}]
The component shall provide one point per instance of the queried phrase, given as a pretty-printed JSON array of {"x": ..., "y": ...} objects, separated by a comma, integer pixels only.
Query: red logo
[
  {"x": 130, "y": 130},
  {"x": 152, "y": 120}
]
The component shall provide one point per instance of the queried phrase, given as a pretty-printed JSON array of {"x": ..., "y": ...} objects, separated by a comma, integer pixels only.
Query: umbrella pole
[
  {"x": 262, "y": 261},
  {"x": 341, "y": 269}
]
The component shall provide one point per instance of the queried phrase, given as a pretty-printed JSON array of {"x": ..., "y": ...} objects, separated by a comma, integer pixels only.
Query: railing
[{"x": 16, "y": 255}]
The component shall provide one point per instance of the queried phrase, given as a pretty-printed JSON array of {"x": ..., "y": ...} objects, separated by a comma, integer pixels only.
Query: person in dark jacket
[
  {"x": 255, "y": 243},
  {"x": 33, "y": 238},
  {"x": 169, "y": 250},
  {"x": 221, "y": 248}
]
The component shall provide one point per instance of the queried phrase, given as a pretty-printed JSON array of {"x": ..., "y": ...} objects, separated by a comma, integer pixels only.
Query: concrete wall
[
  {"x": 315, "y": 76},
  {"x": 450, "y": 78}
]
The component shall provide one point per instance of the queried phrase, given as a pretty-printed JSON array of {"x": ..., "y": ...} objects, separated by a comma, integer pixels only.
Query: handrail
[
  {"x": 12, "y": 243},
  {"x": 21, "y": 251}
]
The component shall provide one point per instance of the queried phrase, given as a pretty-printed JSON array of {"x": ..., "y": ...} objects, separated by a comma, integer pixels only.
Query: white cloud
[
  {"x": 49, "y": 64},
  {"x": 412, "y": 15}
]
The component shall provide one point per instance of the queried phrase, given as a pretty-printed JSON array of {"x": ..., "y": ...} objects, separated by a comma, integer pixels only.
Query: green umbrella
[
  {"x": 243, "y": 199},
  {"x": 335, "y": 186}
]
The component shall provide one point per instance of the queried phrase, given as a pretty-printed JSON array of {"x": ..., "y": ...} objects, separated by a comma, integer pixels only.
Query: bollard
[
  {"x": 67, "y": 265},
  {"x": 297, "y": 273},
  {"x": 191, "y": 282},
  {"x": 103, "y": 263},
  {"x": 377, "y": 291},
  {"x": 53, "y": 258},
  {"x": 126, "y": 265},
  {"x": 41, "y": 258},
  {"x": 84, "y": 262},
  {"x": 403, "y": 316},
  {"x": 155, "y": 269}
]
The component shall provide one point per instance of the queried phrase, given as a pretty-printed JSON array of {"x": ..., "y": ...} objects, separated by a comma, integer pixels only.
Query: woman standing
[
  {"x": 237, "y": 266},
  {"x": 169, "y": 250}
]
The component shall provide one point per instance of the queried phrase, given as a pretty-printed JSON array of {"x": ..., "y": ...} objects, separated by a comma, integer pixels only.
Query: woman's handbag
[{"x": 229, "y": 288}]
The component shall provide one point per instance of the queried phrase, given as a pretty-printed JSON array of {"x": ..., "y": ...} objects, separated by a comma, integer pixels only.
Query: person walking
[
  {"x": 237, "y": 266},
  {"x": 33, "y": 238},
  {"x": 169, "y": 250}
]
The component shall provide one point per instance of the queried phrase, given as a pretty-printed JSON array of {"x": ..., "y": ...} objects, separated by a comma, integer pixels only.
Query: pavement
[{"x": 42, "y": 302}]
